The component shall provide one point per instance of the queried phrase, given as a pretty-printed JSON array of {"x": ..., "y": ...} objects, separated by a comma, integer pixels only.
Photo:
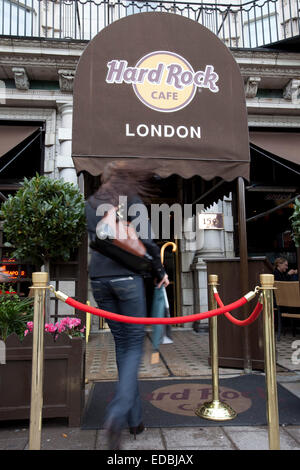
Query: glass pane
[
  {"x": 15, "y": 18},
  {"x": 260, "y": 32}
]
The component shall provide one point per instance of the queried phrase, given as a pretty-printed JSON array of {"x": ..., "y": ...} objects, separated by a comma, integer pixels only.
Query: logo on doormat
[
  {"x": 183, "y": 399},
  {"x": 163, "y": 80}
]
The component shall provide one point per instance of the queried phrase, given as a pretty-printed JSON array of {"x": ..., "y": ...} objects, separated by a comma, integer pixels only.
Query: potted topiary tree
[
  {"x": 43, "y": 222},
  {"x": 295, "y": 222}
]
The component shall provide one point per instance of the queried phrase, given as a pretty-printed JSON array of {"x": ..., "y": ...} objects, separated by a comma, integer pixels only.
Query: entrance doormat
[{"x": 171, "y": 403}]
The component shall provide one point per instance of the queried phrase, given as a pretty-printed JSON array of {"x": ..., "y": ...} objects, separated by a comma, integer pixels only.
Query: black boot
[{"x": 137, "y": 429}]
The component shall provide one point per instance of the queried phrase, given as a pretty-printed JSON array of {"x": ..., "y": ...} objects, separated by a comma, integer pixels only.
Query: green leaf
[{"x": 14, "y": 312}]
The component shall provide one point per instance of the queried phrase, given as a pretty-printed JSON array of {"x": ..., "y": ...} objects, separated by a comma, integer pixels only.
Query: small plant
[
  {"x": 69, "y": 325},
  {"x": 295, "y": 221},
  {"x": 15, "y": 312}
]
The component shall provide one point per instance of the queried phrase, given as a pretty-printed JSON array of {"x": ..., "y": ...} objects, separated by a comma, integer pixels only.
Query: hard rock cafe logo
[
  {"x": 183, "y": 399},
  {"x": 163, "y": 80}
]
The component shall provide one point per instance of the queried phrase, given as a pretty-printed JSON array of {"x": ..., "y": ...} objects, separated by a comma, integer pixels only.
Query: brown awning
[
  {"x": 164, "y": 92},
  {"x": 184, "y": 167},
  {"x": 11, "y": 136},
  {"x": 282, "y": 144}
]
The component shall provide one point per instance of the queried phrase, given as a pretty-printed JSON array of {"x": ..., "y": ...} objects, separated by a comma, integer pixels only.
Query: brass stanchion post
[
  {"x": 39, "y": 284},
  {"x": 267, "y": 285},
  {"x": 88, "y": 324},
  {"x": 215, "y": 409}
]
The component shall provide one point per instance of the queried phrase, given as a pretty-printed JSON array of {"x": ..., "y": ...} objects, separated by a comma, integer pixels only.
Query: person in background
[
  {"x": 282, "y": 271},
  {"x": 119, "y": 290}
]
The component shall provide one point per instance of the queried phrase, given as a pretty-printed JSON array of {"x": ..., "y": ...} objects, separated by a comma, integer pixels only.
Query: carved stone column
[
  {"x": 187, "y": 249},
  {"x": 210, "y": 244},
  {"x": 199, "y": 270},
  {"x": 64, "y": 160}
]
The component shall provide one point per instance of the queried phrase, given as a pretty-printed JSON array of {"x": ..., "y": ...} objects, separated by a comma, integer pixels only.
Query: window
[
  {"x": 16, "y": 17},
  {"x": 259, "y": 24}
]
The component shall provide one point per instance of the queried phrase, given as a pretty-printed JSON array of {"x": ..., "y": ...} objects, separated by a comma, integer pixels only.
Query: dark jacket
[
  {"x": 279, "y": 276},
  {"x": 102, "y": 266}
]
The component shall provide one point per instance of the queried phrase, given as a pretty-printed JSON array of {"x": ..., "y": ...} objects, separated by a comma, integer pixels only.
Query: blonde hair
[{"x": 278, "y": 261}]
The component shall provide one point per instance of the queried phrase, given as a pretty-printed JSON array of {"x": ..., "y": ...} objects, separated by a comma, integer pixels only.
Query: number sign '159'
[{"x": 210, "y": 221}]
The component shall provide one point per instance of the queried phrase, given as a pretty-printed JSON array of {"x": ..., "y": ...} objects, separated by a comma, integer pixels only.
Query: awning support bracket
[
  {"x": 274, "y": 159},
  {"x": 21, "y": 151}
]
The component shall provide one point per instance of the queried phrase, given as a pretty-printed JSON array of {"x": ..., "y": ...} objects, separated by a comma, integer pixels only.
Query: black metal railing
[{"x": 251, "y": 24}]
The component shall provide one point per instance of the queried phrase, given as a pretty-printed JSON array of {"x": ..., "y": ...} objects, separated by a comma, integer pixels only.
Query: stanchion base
[{"x": 216, "y": 410}]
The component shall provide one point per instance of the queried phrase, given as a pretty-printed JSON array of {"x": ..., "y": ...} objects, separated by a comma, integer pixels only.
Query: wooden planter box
[{"x": 64, "y": 377}]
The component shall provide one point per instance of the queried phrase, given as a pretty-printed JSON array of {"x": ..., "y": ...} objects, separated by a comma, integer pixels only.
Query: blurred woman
[{"x": 118, "y": 289}]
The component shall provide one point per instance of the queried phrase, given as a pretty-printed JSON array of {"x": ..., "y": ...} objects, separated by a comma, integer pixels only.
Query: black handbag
[{"x": 117, "y": 239}]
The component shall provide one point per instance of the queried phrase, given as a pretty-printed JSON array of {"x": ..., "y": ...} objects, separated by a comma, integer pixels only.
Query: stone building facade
[{"x": 36, "y": 83}]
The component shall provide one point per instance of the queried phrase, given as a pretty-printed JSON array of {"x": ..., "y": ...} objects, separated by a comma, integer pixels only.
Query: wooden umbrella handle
[{"x": 162, "y": 251}]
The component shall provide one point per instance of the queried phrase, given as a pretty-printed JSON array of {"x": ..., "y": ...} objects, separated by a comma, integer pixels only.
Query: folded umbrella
[
  {"x": 167, "y": 337},
  {"x": 160, "y": 333},
  {"x": 158, "y": 310}
]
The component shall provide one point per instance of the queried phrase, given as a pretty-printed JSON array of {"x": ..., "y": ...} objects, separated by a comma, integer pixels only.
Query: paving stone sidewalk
[{"x": 56, "y": 435}]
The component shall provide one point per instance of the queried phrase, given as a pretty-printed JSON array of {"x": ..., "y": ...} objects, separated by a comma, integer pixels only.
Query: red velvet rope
[
  {"x": 154, "y": 320},
  {"x": 254, "y": 315}
]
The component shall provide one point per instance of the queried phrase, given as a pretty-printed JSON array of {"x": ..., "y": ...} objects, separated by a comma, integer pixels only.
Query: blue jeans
[{"x": 124, "y": 295}]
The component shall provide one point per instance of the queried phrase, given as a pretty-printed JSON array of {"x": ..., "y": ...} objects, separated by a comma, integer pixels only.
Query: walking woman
[{"x": 120, "y": 290}]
